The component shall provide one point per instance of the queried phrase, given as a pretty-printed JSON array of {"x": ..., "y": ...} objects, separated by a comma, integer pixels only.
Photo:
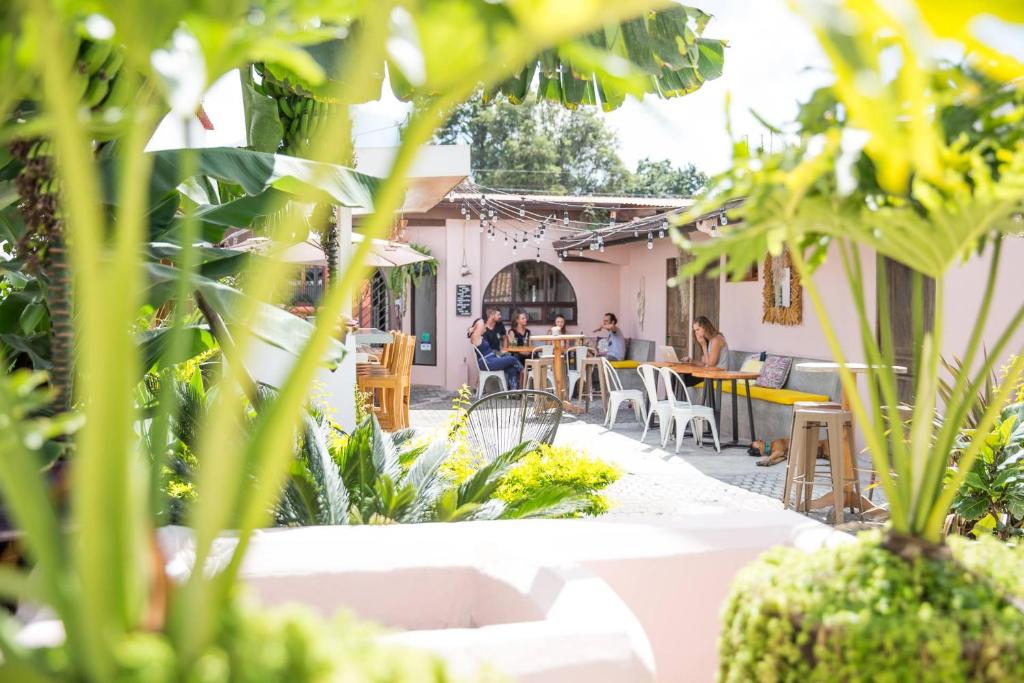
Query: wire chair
[{"x": 502, "y": 421}]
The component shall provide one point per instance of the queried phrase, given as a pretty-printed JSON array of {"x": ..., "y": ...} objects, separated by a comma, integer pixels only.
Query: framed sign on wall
[{"x": 464, "y": 300}]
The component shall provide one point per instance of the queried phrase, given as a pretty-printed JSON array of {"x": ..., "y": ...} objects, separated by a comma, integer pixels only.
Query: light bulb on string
[
  {"x": 565, "y": 217},
  {"x": 538, "y": 256},
  {"x": 650, "y": 241},
  {"x": 581, "y": 252},
  {"x": 661, "y": 233},
  {"x": 522, "y": 208}
]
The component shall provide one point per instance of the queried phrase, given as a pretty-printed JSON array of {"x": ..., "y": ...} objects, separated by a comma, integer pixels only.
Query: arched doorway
[{"x": 538, "y": 288}]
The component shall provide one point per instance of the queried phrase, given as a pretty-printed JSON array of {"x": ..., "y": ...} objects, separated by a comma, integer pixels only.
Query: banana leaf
[
  {"x": 271, "y": 324},
  {"x": 153, "y": 344}
]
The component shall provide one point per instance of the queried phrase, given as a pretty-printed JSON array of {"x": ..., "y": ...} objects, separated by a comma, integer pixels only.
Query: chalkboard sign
[{"x": 464, "y": 300}]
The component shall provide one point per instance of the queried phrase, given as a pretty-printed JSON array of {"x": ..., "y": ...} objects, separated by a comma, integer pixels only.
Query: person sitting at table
[
  {"x": 492, "y": 360},
  {"x": 494, "y": 329},
  {"x": 616, "y": 341},
  {"x": 519, "y": 333},
  {"x": 559, "y": 326},
  {"x": 714, "y": 348}
]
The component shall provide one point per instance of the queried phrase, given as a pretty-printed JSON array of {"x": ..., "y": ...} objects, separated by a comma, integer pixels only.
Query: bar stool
[
  {"x": 592, "y": 367},
  {"x": 537, "y": 370},
  {"x": 801, "y": 468}
]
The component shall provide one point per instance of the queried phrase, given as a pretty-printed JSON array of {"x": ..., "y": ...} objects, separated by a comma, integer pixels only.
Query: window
[
  {"x": 538, "y": 288},
  {"x": 370, "y": 308}
]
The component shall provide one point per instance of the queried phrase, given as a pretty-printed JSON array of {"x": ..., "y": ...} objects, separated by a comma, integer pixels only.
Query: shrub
[
  {"x": 373, "y": 477},
  {"x": 561, "y": 466},
  {"x": 859, "y": 612},
  {"x": 991, "y": 499}
]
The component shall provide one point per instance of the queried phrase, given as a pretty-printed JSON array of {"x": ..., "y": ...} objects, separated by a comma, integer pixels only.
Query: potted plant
[{"x": 919, "y": 162}]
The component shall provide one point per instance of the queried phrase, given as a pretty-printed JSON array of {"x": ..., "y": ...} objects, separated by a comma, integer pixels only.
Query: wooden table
[
  {"x": 864, "y": 504},
  {"x": 716, "y": 376},
  {"x": 558, "y": 341}
]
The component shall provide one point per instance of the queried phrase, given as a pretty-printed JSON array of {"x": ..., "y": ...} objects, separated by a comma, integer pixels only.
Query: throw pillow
[
  {"x": 752, "y": 364},
  {"x": 775, "y": 372}
]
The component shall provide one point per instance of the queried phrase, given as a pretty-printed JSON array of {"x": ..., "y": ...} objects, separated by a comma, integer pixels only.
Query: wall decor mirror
[{"x": 783, "y": 294}]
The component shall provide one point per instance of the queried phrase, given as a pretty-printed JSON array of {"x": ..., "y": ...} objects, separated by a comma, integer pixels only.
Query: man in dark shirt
[{"x": 494, "y": 330}]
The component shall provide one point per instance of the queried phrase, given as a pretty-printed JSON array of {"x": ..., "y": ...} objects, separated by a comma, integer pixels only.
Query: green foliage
[
  {"x": 858, "y": 612},
  {"x": 95, "y": 569},
  {"x": 539, "y": 146},
  {"x": 374, "y": 477},
  {"x": 936, "y": 158},
  {"x": 991, "y": 498},
  {"x": 561, "y": 466},
  {"x": 548, "y": 468},
  {"x": 664, "y": 179}
]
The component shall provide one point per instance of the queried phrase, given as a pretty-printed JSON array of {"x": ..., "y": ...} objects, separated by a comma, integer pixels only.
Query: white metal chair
[
  {"x": 574, "y": 373},
  {"x": 617, "y": 395},
  {"x": 487, "y": 374},
  {"x": 686, "y": 414},
  {"x": 662, "y": 408}
]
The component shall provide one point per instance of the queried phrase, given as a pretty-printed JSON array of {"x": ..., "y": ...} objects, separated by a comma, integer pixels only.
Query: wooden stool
[
  {"x": 537, "y": 370},
  {"x": 801, "y": 467},
  {"x": 589, "y": 365}
]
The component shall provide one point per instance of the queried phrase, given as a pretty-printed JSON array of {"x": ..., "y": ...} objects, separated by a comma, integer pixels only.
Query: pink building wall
[
  {"x": 596, "y": 286},
  {"x": 613, "y": 285}
]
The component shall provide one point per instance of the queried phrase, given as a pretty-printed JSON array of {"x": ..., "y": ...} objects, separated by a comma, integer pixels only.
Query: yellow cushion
[
  {"x": 784, "y": 396},
  {"x": 624, "y": 364}
]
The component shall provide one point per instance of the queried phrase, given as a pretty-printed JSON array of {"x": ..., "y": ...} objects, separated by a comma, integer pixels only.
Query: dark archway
[{"x": 538, "y": 288}]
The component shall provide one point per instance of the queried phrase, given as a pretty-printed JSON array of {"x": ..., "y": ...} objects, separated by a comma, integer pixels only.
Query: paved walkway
[{"x": 656, "y": 482}]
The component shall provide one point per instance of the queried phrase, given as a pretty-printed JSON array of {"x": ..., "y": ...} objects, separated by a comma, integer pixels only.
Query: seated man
[
  {"x": 494, "y": 330},
  {"x": 616, "y": 341}
]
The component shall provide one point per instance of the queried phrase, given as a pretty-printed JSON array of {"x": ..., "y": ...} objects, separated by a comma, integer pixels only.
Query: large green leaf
[
  {"x": 257, "y": 172},
  {"x": 271, "y": 324},
  {"x": 154, "y": 343},
  {"x": 213, "y": 263}
]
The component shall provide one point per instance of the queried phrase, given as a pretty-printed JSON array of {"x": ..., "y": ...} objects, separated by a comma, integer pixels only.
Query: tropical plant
[
  {"x": 860, "y": 613},
  {"x": 564, "y": 467},
  {"x": 935, "y": 184},
  {"x": 921, "y": 163},
  {"x": 374, "y": 477},
  {"x": 98, "y": 570},
  {"x": 991, "y": 497}
]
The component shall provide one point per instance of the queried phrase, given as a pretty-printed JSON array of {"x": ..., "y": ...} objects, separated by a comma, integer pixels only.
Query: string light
[
  {"x": 538, "y": 256},
  {"x": 650, "y": 241},
  {"x": 565, "y": 217},
  {"x": 661, "y": 233}
]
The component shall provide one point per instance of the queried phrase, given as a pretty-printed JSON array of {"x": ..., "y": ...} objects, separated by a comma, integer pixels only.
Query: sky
[{"x": 772, "y": 62}]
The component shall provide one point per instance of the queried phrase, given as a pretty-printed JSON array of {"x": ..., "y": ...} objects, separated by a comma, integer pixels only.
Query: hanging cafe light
[{"x": 650, "y": 241}]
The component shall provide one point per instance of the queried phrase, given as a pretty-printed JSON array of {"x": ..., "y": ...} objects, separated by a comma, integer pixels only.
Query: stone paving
[{"x": 656, "y": 482}]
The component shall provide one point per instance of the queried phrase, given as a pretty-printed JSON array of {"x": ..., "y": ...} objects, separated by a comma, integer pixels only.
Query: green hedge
[{"x": 860, "y": 613}]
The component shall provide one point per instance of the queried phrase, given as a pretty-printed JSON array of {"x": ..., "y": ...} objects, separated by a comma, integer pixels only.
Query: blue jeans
[{"x": 509, "y": 363}]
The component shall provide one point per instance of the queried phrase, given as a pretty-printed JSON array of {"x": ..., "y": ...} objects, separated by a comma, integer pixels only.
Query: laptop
[{"x": 667, "y": 354}]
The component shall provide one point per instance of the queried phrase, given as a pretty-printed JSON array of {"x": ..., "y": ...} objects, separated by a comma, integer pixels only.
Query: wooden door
[
  {"x": 899, "y": 296},
  {"x": 691, "y": 297},
  {"x": 677, "y": 310}
]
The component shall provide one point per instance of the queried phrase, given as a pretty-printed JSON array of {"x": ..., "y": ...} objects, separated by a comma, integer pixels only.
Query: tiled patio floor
[{"x": 657, "y": 482}]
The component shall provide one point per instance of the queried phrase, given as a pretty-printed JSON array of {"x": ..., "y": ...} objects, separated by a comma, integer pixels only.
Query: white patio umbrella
[{"x": 382, "y": 254}]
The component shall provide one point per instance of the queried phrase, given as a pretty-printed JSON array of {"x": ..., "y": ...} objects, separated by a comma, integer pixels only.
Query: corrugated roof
[{"x": 571, "y": 200}]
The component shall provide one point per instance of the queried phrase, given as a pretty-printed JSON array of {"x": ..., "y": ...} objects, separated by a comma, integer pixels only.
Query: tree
[
  {"x": 536, "y": 146},
  {"x": 663, "y": 179},
  {"x": 539, "y": 146}
]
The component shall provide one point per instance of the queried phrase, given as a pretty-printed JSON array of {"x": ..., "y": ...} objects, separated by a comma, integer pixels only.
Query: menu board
[{"x": 464, "y": 300}]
